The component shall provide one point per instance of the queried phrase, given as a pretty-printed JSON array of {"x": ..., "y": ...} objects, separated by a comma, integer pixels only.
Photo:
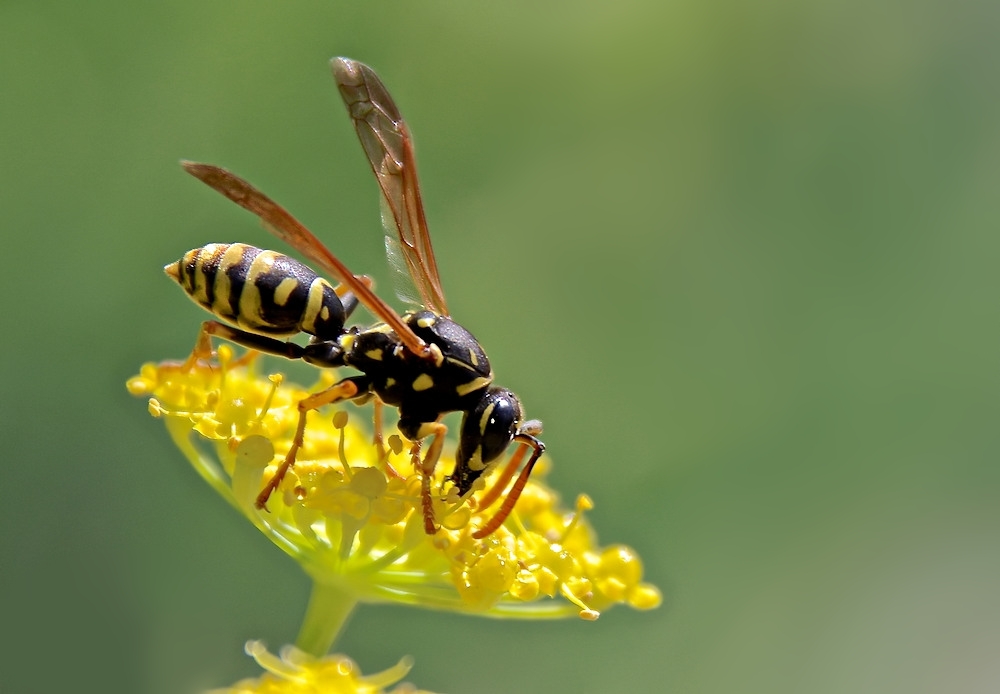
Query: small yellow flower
[
  {"x": 295, "y": 672},
  {"x": 350, "y": 512}
]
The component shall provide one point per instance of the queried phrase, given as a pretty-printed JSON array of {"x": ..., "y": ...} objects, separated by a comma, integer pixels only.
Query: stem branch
[{"x": 327, "y": 613}]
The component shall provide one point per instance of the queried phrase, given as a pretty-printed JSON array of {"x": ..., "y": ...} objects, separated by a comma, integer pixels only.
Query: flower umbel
[
  {"x": 349, "y": 511},
  {"x": 295, "y": 672}
]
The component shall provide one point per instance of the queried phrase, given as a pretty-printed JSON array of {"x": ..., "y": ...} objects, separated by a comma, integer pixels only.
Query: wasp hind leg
[
  {"x": 203, "y": 346},
  {"x": 318, "y": 352}
]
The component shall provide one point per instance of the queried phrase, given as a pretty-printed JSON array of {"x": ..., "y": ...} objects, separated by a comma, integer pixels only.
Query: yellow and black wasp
[{"x": 422, "y": 362}]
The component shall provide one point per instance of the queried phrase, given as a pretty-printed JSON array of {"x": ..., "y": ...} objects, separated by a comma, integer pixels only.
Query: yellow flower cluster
[
  {"x": 350, "y": 511},
  {"x": 295, "y": 672}
]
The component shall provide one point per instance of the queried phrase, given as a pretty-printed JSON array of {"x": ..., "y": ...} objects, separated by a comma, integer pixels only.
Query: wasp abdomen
[{"x": 260, "y": 291}]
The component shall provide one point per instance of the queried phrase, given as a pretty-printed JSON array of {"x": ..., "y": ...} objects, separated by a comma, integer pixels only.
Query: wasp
[{"x": 422, "y": 362}]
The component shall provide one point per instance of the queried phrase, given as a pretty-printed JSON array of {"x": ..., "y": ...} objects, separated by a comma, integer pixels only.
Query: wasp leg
[
  {"x": 203, "y": 346},
  {"x": 342, "y": 390},
  {"x": 515, "y": 492},
  {"x": 348, "y": 298},
  {"x": 325, "y": 353},
  {"x": 377, "y": 438},
  {"x": 417, "y": 431},
  {"x": 500, "y": 483}
]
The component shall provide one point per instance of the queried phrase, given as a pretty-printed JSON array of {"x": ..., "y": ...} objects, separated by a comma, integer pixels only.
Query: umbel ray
[{"x": 421, "y": 362}]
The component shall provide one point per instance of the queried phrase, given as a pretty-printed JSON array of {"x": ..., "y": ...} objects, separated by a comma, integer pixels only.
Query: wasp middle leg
[
  {"x": 319, "y": 352},
  {"x": 418, "y": 431},
  {"x": 342, "y": 390}
]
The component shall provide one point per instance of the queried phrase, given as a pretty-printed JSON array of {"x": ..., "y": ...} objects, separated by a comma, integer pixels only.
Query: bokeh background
[{"x": 740, "y": 257}]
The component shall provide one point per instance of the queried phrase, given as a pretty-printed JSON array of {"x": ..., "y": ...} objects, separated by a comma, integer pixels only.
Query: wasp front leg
[{"x": 515, "y": 491}]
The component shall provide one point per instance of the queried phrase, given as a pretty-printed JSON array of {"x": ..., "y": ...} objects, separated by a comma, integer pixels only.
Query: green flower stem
[{"x": 329, "y": 608}]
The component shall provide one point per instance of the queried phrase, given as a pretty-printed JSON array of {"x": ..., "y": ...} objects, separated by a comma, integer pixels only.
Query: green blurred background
[{"x": 740, "y": 257}]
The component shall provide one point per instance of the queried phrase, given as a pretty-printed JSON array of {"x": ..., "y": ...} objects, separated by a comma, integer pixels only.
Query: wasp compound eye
[
  {"x": 498, "y": 422},
  {"x": 487, "y": 430}
]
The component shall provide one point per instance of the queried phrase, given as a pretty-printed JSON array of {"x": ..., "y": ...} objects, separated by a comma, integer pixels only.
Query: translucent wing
[
  {"x": 389, "y": 147},
  {"x": 282, "y": 224},
  {"x": 402, "y": 283}
]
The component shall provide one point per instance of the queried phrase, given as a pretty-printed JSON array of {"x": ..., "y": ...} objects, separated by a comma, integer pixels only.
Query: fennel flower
[
  {"x": 296, "y": 672},
  {"x": 349, "y": 510}
]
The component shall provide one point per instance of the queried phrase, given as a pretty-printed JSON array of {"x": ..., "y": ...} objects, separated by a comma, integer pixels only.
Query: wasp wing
[
  {"x": 402, "y": 282},
  {"x": 282, "y": 224},
  {"x": 389, "y": 148}
]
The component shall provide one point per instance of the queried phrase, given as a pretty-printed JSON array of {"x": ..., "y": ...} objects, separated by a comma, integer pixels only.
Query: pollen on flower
[
  {"x": 296, "y": 672},
  {"x": 350, "y": 509}
]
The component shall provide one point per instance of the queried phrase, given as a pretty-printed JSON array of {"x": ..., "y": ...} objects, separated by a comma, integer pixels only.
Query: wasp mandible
[{"x": 422, "y": 362}]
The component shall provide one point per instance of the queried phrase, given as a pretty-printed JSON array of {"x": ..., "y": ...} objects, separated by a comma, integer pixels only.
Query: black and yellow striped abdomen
[{"x": 260, "y": 291}]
